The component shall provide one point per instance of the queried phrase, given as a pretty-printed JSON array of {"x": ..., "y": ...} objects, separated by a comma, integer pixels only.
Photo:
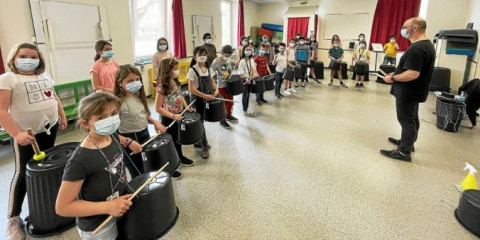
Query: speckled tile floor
[{"x": 308, "y": 167}]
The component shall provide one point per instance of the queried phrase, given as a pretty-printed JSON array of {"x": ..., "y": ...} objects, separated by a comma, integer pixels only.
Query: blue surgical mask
[
  {"x": 108, "y": 54},
  {"x": 107, "y": 126},
  {"x": 133, "y": 87},
  {"x": 27, "y": 64},
  {"x": 262, "y": 52},
  {"x": 281, "y": 50},
  {"x": 404, "y": 33},
  {"x": 248, "y": 53}
]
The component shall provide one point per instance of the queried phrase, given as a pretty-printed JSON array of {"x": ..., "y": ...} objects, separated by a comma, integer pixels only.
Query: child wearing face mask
[
  {"x": 202, "y": 85},
  {"x": 291, "y": 63},
  {"x": 261, "y": 61},
  {"x": 314, "y": 57},
  {"x": 211, "y": 50},
  {"x": 162, "y": 53},
  {"x": 243, "y": 43},
  {"x": 223, "y": 67},
  {"x": 94, "y": 180},
  {"x": 103, "y": 70},
  {"x": 390, "y": 49},
  {"x": 336, "y": 55},
  {"x": 134, "y": 114},
  {"x": 302, "y": 57},
  {"x": 170, "y": 103},
  {"x": 27, "y": 100},
  {"x": 361, "y": 37},
  {"x": 280, "y": 62},
  {"x": 361, "y": 56},
  {"x": 336, "y": 38},
  {"x": 248, "y": 69}
]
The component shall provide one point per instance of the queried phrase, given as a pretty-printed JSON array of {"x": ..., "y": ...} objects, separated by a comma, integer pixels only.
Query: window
[
  {"x": 423, "y": 9},
  {"x": 151, "y": 20},
  {"x": 226, "y": 26}
]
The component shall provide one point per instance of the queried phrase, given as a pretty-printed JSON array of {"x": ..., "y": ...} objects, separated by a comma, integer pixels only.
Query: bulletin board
[{"x": 347, "y": 25}]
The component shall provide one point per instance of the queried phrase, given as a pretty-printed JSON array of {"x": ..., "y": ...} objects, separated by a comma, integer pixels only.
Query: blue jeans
[
  {"x": 140, "y": 137},
  {"x": 278, "y": 82},
  {"x": 390, "y": 60}
]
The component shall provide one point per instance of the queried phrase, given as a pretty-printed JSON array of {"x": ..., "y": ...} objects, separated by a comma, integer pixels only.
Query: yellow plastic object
[
  {"x": 469, "y": 182},
  {"x": 183, "y": 68},
  {"x": 153, "y": 83},
  {"x": 39, "y": 157}
]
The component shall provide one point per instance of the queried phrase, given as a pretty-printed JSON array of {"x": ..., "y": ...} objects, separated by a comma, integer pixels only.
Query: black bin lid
[
  {"x": 189, "y": 117},
  {"x": 158, "y": 142},
  {"x": 158, "y": 182},
  {"x": 55, "y": 157}
]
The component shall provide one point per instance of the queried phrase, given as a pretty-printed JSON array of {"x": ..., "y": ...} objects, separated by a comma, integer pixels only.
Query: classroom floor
[{"x": 308, "y": 167}]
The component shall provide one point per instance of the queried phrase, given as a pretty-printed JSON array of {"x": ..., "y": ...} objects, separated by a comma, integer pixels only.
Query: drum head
[
  {"x": 54, "y": 157},
  {"x": 190, "y": 117},
  {"x": 158, "y": 142},
  {"x": 158, "y": 181}
]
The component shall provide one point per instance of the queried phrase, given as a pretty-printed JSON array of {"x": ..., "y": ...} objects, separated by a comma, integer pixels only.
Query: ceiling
[{"x": 266, "y": 1}]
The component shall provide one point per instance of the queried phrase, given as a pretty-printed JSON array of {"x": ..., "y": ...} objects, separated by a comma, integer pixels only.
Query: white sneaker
[
  {"x": 287, "y": 93},
  {"x": 293, "y": 90},
  {"x": 249, "y": 113},
  {"x": 15, "y": 229}
]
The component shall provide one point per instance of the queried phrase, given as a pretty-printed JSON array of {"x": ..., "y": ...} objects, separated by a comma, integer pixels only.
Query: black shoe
[
  {"x": 176, "y": 175},
  {"x": 186, "y": 161},
  {"x": 278, "y": 96},
  {"x": 205, "y": 153},
  {"x": 259, "y": 103},
  {"x": 281, "y": 95},
  {"x": 318, "y": 81},
  {"x": 224, "y": 124},
  {"x": 396, "y": 154},
  {"x": 357, "y": 85},
  {"x": 397, "y": 142},
  {"x": 264, "y": 101},
  {"x": 199, "y": 145},
  {"x": 361, "y": 85},
  {"x": 232, "y": 118}
]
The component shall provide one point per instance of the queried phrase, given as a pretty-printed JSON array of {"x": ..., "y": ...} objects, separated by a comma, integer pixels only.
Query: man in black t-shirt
[{"x": 411, "y": 81}]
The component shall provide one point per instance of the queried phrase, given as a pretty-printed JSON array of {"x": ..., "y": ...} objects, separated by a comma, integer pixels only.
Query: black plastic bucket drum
[
  {"x": 269, "y": 82},
  {"x": 158, "y": 152},
  {"x": 215, "y": 110},
  {"x": 450, "y": 114},
  {"x": 468, "y": 211},
  {"x": 190, "y": 129}
]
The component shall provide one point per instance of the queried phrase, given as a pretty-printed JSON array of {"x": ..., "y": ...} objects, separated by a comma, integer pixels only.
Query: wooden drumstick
[
  {"x": 380, "y": 76},
  {"x": 384, "y": 73},
  {"x": 39, "y": 155},
  {"x": 169, "y": 126},
  {"x": 225, "y": 100},
  {"x": 131, "y": 197}
]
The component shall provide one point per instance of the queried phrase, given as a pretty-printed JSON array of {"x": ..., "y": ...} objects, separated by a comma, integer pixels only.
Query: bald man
[{"x": 411, "y": 81}]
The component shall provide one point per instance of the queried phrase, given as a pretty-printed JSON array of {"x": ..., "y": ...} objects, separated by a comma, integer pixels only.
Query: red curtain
[
  {"x": 297, "y": 25},
  {"x": 240, "y": 24},
  {"x": 179, "y": 47},
  {"x": 389, "y": 18},
  {"x": 2, "y": 69}
]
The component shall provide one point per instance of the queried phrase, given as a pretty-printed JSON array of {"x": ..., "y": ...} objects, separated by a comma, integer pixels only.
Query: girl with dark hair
[
  {"x": 248, "y": 69},
  {"x": 162, "y": 53},
  {"x": 201, "y": 84},
  {"x": 103, "y": 70}
]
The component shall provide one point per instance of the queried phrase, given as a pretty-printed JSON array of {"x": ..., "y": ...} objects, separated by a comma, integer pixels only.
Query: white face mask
[
  {"x": 162, "y": 47},
  {"x": 226, "y": 58},
  {"x": 292, "y": 44},
  {"x": 362, "y": 45},
  {"x": 250, "y": 41},
  {"x": 208, "y": 41},
  {"x": 302, "y": 42},
  {"x": 248, "y": 53},
  {"x": 244, "y": 43},
  {"x": 175, "y": 74},
  {"x": 361, "y": 38},
  {"x": 335, "y": 45},
  {"x": 392, "y": 40},
  {"x": 202, "y": 59}
]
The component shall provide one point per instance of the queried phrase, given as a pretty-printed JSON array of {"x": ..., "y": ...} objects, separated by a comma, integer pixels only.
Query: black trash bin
[{"x": 450, "y": 114}]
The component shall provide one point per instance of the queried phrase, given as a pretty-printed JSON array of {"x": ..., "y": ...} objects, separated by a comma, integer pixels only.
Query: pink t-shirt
[{"x": 106, "y": 73}]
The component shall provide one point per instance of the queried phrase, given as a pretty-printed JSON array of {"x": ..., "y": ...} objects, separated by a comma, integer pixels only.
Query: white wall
[
  {"x": 474, "y": 17},
  {"x": 271, "y": 13},
  {"x": 16, "y": 26}
]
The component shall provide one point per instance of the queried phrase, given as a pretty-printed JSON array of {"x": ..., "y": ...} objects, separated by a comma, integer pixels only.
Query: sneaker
[
  {"x": 232, "y": 118},
  {"x": 186, "y": 161},
  {"x": 303, "y": 84},
  {"x": 199, "y": 145},
  {"x": 176, "y": 175},
  {"x": 264, "y": 101},
  {"x": 225, "y": 124},
  {"x": 278, "y": 96},
  {"x": 357, "y": 85},
  {"x": 259, "y": 103},
  {"x": 316, "y": 80},
  {"x": 281, "y": 95},
  {"x": 205, "y": 153},
  {"x": 15, "y": 229},
  {"x": 397, "y": 142},
  {"x": 343, "y": 85},
  {"x": 397, "y": 155},
  {"x": 249, "y": 113},
  {"x": 293, "y": 90},
  {"x": 331, "y": 83},
  {"x": 361, "y": 85},
  {"x": 287, "y": 93},
  {"x": 296, "y": 85}
]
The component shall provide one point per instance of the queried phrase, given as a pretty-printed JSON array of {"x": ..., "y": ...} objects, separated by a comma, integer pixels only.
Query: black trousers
[
  {"x": 200, "y": 107},
  {"x": 246, "y": 97},
  {"x": 22, "y": 155},
  {"x": 140, "y": 137},
  {"x": 173, "y": 130},
  {"x": 407, "y": 115}
]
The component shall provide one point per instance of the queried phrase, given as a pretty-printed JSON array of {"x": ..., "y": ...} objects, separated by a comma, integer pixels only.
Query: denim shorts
[{"x": 109, "y": 232}]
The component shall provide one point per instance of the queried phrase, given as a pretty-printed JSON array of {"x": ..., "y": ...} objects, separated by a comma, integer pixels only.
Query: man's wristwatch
[{"x": 393, "y": 79}]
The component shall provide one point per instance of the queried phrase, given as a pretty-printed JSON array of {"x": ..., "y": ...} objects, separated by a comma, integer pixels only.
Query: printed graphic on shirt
[
  {"x": 38, "y": 91},
  {"x": 226, "y": 70},
  {"x": 116, "y": 169}
]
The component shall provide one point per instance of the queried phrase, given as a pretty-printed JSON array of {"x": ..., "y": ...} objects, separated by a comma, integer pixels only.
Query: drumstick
[
  {"x": 39, "y": 155},
  {"x": 131, "y": 197},
  {"x": 384, "y": 73},
  {"x": 169, "y": 126},
  {"x": 380, "y": 76},
  {"x": 225, "y": 100}
]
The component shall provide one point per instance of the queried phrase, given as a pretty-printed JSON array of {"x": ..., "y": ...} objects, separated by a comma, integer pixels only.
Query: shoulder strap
[{"x": 196, "y": 73}]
